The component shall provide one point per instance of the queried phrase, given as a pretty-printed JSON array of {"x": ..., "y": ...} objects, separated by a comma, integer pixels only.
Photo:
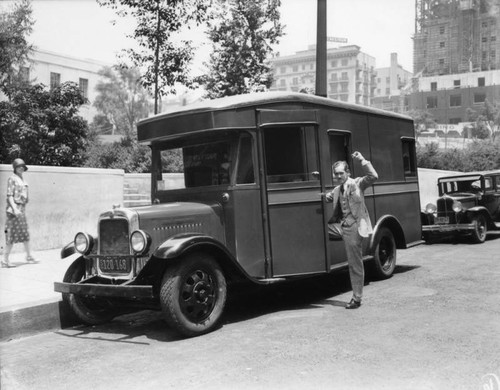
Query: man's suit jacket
[{"x": 354, "y": 191}]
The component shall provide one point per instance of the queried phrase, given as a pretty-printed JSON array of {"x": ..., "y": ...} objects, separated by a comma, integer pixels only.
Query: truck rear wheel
[
  {"x": 384, "y": 253},
  {"x": 91, "y": 311},
  {"x": 193, "y": 295}
]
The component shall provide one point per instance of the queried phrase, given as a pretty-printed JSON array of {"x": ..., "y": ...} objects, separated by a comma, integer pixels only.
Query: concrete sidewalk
[{"x": 28, "y": 302}]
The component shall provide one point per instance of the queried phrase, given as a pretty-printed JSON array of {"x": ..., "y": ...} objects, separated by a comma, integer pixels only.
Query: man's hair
[{"x": 338, "y": 163}]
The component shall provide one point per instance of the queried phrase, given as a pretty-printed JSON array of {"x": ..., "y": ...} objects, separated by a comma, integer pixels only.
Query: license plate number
[
  {"x": 442, "y": 220},
  {"x": 115, "y": 264}
]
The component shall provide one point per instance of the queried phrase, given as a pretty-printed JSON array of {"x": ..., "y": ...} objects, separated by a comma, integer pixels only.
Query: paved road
[{"x": 434, "y": 325}]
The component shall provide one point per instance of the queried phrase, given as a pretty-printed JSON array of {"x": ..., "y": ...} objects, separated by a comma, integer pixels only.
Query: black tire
[
  {"x": 193, "y": 295},
  {"x": 91, "y": 311},
  {"x": 384, "y": 253},
  {"x": 479, "y": 233}
]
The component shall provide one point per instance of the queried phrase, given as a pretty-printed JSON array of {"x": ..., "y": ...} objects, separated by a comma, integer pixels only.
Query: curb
[{"x": 28, "y": 321}]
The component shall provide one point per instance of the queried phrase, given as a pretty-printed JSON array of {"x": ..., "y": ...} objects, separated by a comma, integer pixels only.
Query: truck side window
[
  {"x": 409, "y": 160},
  {"x": 290, "y": 154},
  {"x": 245, "y": 172}
]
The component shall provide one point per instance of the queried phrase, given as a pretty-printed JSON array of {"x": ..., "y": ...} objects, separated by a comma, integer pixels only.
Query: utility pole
[
  {"x": 157, "y": 55},
  {"x": 321, "y": 49}
]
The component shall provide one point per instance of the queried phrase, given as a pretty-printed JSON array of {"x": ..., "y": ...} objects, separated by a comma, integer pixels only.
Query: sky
[{"x": 83, "y": 29}]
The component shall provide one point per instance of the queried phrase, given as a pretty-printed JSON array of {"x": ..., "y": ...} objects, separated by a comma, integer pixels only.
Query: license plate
[
  {"x": 115, "y": 265},
  {"x": 442, "y": 220}
]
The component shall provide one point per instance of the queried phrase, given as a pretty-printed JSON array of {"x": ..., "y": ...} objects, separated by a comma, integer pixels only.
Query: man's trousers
[{"x": 354, "y": 246}]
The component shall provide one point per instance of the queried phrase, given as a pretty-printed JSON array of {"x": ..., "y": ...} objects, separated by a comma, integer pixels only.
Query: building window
[
  {"x": 432, "y": 101},
  {"x": 441, "y": 30},
  {"x": 335, "y": 88},
  {"x": 334, "y": 76},
  {"x": 295, "y": 81},
  {"x": 387, "y": 80},
  {"x": 493, "y": 54},
  {"x": 303, "y": 66},
  {"x": 378, "y": 80},
  {"x": 484, "y": 39},
  {"x": 84, "y": 87},
  {"x": 480, "y": 81},
  {"x": 456, "y": 84},
  {"x": 441, "y": 44},
  {"x": 493, "y": 38},
  {"x": 311, "y": 66},
  {"x": 283, "y": 69},
  {"x": 343, "y": 98},
  {"x": 387, "y": 91},
  {"x": 344, "y": 87},
  {"x": 295, "y": 68},
  {"x": 24, "y": 74},
  {"x": 484, "y": 55},
  {"x": 434, "y": 86},
  {"x": 479, "y": 97},
  {"x": 55, "y": 80},
  {"x": 345, "y": 62},
  {"x": 455, "y": 100},
  {"x": 334, "y": 64},
  {"x": 441, "y": 61},
  {"x": 344, "y": 76}
]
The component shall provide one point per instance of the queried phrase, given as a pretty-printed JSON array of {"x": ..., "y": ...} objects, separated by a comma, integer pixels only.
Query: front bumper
[
  {"x": 105, "y": 290},
  {"x": 449, "y": 227}
]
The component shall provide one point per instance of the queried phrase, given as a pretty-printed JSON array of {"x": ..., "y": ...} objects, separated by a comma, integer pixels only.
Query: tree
[
  {"x": 163, "y": 57},
  {"x": 242, "y": 34},
  {"x": 121, "y": 99},
  {"x": 486, "y": 120},
  {"x": 42, "y": 126},
  {"x": 423, "y": 121},
  {"x": 15, "y": 26}
]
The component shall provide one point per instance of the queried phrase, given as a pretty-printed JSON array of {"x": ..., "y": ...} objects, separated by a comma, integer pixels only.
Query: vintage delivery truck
[{"x": 251, "y": 206}]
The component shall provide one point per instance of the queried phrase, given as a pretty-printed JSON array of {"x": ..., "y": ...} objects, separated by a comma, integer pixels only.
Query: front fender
[
  {"x": 68, "y": 250},
  {"x": 177, "y": 245},
  {"x": 393, "y": 224}
]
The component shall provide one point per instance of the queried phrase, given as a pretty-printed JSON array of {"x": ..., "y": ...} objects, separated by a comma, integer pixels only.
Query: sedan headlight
[
  {"x": 457, "y": 206},
  {"x": 83, "y": 243},
  {"x": 139, "y": 241},
  {"x": 430, "y": 208}
]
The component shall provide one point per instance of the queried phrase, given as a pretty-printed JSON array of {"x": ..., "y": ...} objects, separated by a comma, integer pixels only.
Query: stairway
[{"x": 132, "y": 197}]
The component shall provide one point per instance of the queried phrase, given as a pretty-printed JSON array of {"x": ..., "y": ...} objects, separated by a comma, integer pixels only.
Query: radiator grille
[
  {"x": 445, "y": 209},
  {"x": 114, "y": 237}
]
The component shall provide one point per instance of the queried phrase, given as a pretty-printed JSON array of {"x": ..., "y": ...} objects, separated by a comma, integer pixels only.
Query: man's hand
[
  {"x": 329, "y": 196},
  {"x": 357, "y": 156}
]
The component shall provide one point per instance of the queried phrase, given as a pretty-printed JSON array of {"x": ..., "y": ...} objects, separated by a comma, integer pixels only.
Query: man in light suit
[{"x": 350, "y": 220}]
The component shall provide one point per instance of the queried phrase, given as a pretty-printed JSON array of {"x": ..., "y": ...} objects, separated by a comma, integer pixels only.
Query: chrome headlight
[
  {"x": 83, "y": 243},
  {"x": 139, "y": 241},
  {"x": 457, "y": 206},
  {"x": 430, "y": 208}
]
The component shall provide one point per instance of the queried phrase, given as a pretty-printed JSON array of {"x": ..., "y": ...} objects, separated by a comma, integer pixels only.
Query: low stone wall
[{"x": 63, "y": 201}]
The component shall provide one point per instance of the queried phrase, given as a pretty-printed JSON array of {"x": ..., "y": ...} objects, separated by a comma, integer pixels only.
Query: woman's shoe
[
  {"x": 7, "y": 265},
  {"x": 31, "y": 259}
]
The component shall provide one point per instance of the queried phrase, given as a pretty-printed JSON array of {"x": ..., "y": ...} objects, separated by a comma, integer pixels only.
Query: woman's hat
[{"x": 18, "y": 162}]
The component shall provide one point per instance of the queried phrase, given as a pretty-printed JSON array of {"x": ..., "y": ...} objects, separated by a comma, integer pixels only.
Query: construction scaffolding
[{"x": 456, "y": 36}]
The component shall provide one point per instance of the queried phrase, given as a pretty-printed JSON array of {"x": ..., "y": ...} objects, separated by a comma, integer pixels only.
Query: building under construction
[{"x": 456, "y": 36}]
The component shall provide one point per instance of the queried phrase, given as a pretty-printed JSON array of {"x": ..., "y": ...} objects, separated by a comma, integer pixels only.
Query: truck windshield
[{"x": 200, "y": 165}]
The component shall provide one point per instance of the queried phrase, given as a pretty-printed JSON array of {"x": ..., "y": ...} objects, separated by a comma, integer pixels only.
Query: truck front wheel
[
  {"x": 91, "y": 311},
  {"x": 193, "y": 295}
]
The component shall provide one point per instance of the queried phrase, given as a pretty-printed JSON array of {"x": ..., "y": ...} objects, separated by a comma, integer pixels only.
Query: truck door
[{"x": 291, "y": 191}]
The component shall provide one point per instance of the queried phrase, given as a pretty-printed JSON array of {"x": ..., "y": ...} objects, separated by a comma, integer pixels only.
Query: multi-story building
[
  {"x": 456, "y": 59},
  {"x": 456, "y": 36},
  {"x": 52, "y": 69},
  {"x": 448, "y": 97},
  {"x": 350, "y": 73},
  {"x": 390, "y": 83}
]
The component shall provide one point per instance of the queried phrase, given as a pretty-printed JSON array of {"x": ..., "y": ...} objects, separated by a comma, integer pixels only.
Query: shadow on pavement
[{"x": 245, "y": 302}]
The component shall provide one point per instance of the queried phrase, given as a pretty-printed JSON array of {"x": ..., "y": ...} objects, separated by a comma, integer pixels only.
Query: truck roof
[{"x": 258, "y": 98}]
